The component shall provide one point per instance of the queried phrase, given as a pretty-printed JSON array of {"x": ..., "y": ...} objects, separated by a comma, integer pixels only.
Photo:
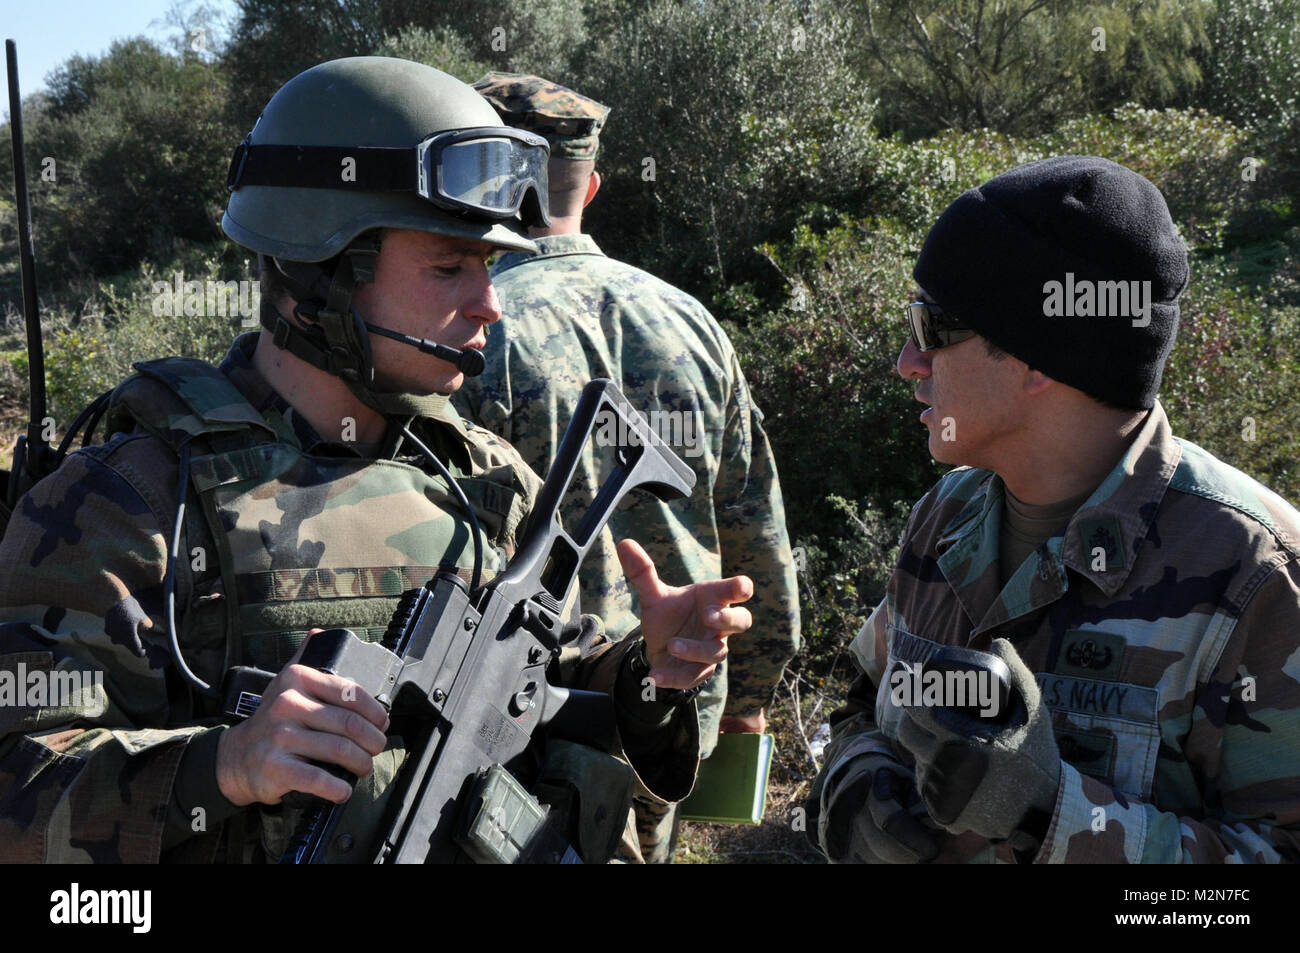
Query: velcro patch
[
  {"x": 492, "y": 497},
  {"x": 1086, "y": 696},
  {"x": 1102, "y": 533},
  {"x": 1090, "y": 654},
  {"x": 1089, "y": 751}
]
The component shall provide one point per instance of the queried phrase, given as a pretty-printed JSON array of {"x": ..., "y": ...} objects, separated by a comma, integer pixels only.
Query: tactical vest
[
  {"x": 280, "y": 527},
  {"x": 277, "y": 541}
]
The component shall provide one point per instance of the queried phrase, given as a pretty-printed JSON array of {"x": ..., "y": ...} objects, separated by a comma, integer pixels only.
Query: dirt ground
[{"x": 779, "y": 839}]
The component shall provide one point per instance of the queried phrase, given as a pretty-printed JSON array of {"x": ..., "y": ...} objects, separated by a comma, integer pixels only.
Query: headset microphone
[{"x": 468, "y": 361}]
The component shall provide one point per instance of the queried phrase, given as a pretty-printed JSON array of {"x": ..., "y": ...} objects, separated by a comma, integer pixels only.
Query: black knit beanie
[{"x": 1034, "y": 260}]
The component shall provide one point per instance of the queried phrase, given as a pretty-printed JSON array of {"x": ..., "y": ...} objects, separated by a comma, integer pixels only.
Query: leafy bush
[
  {"x": 822, "y": 369},
  {"x": 844, "y": 575},
  {"x": 136, "y": 151},
  {"x": 90, "y": 349},
  {"x": 1232, "y": 384},
  {"x": 1194, "y": 158},
  {"x": 537, "y": 37},
  {"x": 915, "y": 181},
  {"x": 726, "y": 117},
  {"x": 1252, "y": 62},
  {"x": 274, "y": 40},
  {"x": 442, "y": 49},
  {"x": 1022, "y": 66}
]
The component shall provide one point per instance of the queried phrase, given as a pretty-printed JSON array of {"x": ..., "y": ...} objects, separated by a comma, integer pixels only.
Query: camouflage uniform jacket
[
  {"x": 572, "y": 314},
  {"x": 82, "y": 567},
  {"x": 1163, "y": 622}
]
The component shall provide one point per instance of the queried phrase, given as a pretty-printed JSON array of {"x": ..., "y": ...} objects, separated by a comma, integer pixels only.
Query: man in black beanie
[{"x": 1090, "y": 648}]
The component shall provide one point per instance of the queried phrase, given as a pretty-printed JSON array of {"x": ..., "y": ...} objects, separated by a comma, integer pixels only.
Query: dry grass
[
  {"x": 13, "y": 412},
  {"x": 800, "y": 708}
]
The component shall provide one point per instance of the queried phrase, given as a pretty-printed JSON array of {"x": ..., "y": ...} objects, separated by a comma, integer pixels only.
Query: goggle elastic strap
[{"x": 396, "y": 169}]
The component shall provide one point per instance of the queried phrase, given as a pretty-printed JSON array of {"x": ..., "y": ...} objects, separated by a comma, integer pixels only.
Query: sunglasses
[{"x": 931, "y": 328}]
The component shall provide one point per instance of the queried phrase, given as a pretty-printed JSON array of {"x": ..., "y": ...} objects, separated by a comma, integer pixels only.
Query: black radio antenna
[{"x": 32, "y": 454}]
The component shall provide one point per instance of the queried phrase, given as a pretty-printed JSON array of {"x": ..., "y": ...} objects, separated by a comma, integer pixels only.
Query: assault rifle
[{"x": 464, "y": 674}]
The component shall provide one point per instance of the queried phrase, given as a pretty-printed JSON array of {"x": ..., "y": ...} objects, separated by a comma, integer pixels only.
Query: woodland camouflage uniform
[
  {"x": 1172, "y": 675},
  {"x": 331, "y": 539}
]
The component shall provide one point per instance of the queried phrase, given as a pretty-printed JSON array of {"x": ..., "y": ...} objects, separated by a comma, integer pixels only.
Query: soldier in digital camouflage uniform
[
  {"x": 304, "y": 507},
  {"x": 572, "y": 314},
  {"x": 1144, "y": 596}
]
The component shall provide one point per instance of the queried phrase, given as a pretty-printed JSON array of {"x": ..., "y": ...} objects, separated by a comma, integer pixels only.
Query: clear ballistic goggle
[
  {"x": 931, "y": 328},
  {"x": 489, "y": 170},
  {"x": 486, "y": 171}
]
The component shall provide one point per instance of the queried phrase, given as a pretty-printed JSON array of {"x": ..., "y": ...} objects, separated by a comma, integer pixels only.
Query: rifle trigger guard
[{"x": 542, "y": 622}]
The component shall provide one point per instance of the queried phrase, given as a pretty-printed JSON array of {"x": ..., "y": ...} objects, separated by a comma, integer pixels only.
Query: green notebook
[{"x": 732, "y": 784}]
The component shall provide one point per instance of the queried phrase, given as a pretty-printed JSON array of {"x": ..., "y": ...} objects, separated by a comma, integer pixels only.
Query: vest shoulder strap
[{"x": 179, "y": 398}]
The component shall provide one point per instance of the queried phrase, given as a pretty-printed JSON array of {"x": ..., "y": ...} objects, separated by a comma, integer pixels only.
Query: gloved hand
[
  {"x": 871, "y": 813},
  {"x": 997, "y": 780}
]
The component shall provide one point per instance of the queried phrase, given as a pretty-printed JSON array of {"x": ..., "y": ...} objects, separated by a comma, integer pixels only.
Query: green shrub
[
  {"x": 843, "y": 576},
  {"x": 1252, "y": 62},
  {"x": 728, "y": 118},
  {"x": 91, "y": 349},
  {"x": 822, "y": 369},
  {"x": 137, "y": 149},
  {"x": 274, "y": 40},
  {"x": 1194, "y": 158},
  {"x": 1232, "y": 384},
  {"x": 443, "y": 49},
  {"x": 1022, "y": 66}
]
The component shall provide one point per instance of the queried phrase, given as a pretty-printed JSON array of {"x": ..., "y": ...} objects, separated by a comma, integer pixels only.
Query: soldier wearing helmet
[{"x": 307, "y": 482}]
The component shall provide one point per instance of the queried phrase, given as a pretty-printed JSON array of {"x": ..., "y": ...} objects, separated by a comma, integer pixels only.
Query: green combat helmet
[{"x": 359, "y": 144}]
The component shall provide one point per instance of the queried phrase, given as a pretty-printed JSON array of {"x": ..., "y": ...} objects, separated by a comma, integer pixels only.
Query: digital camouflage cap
[{"x": 570, "y": 121}]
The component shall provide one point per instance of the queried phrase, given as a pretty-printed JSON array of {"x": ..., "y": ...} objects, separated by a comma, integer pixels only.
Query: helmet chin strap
[{"x": 336, "y": 340}]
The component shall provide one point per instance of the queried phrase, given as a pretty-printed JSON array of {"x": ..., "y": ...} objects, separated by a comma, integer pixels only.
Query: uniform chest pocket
[
  {"x": 904, "y": 649},
  {"x": 1105, "y": 729}
]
